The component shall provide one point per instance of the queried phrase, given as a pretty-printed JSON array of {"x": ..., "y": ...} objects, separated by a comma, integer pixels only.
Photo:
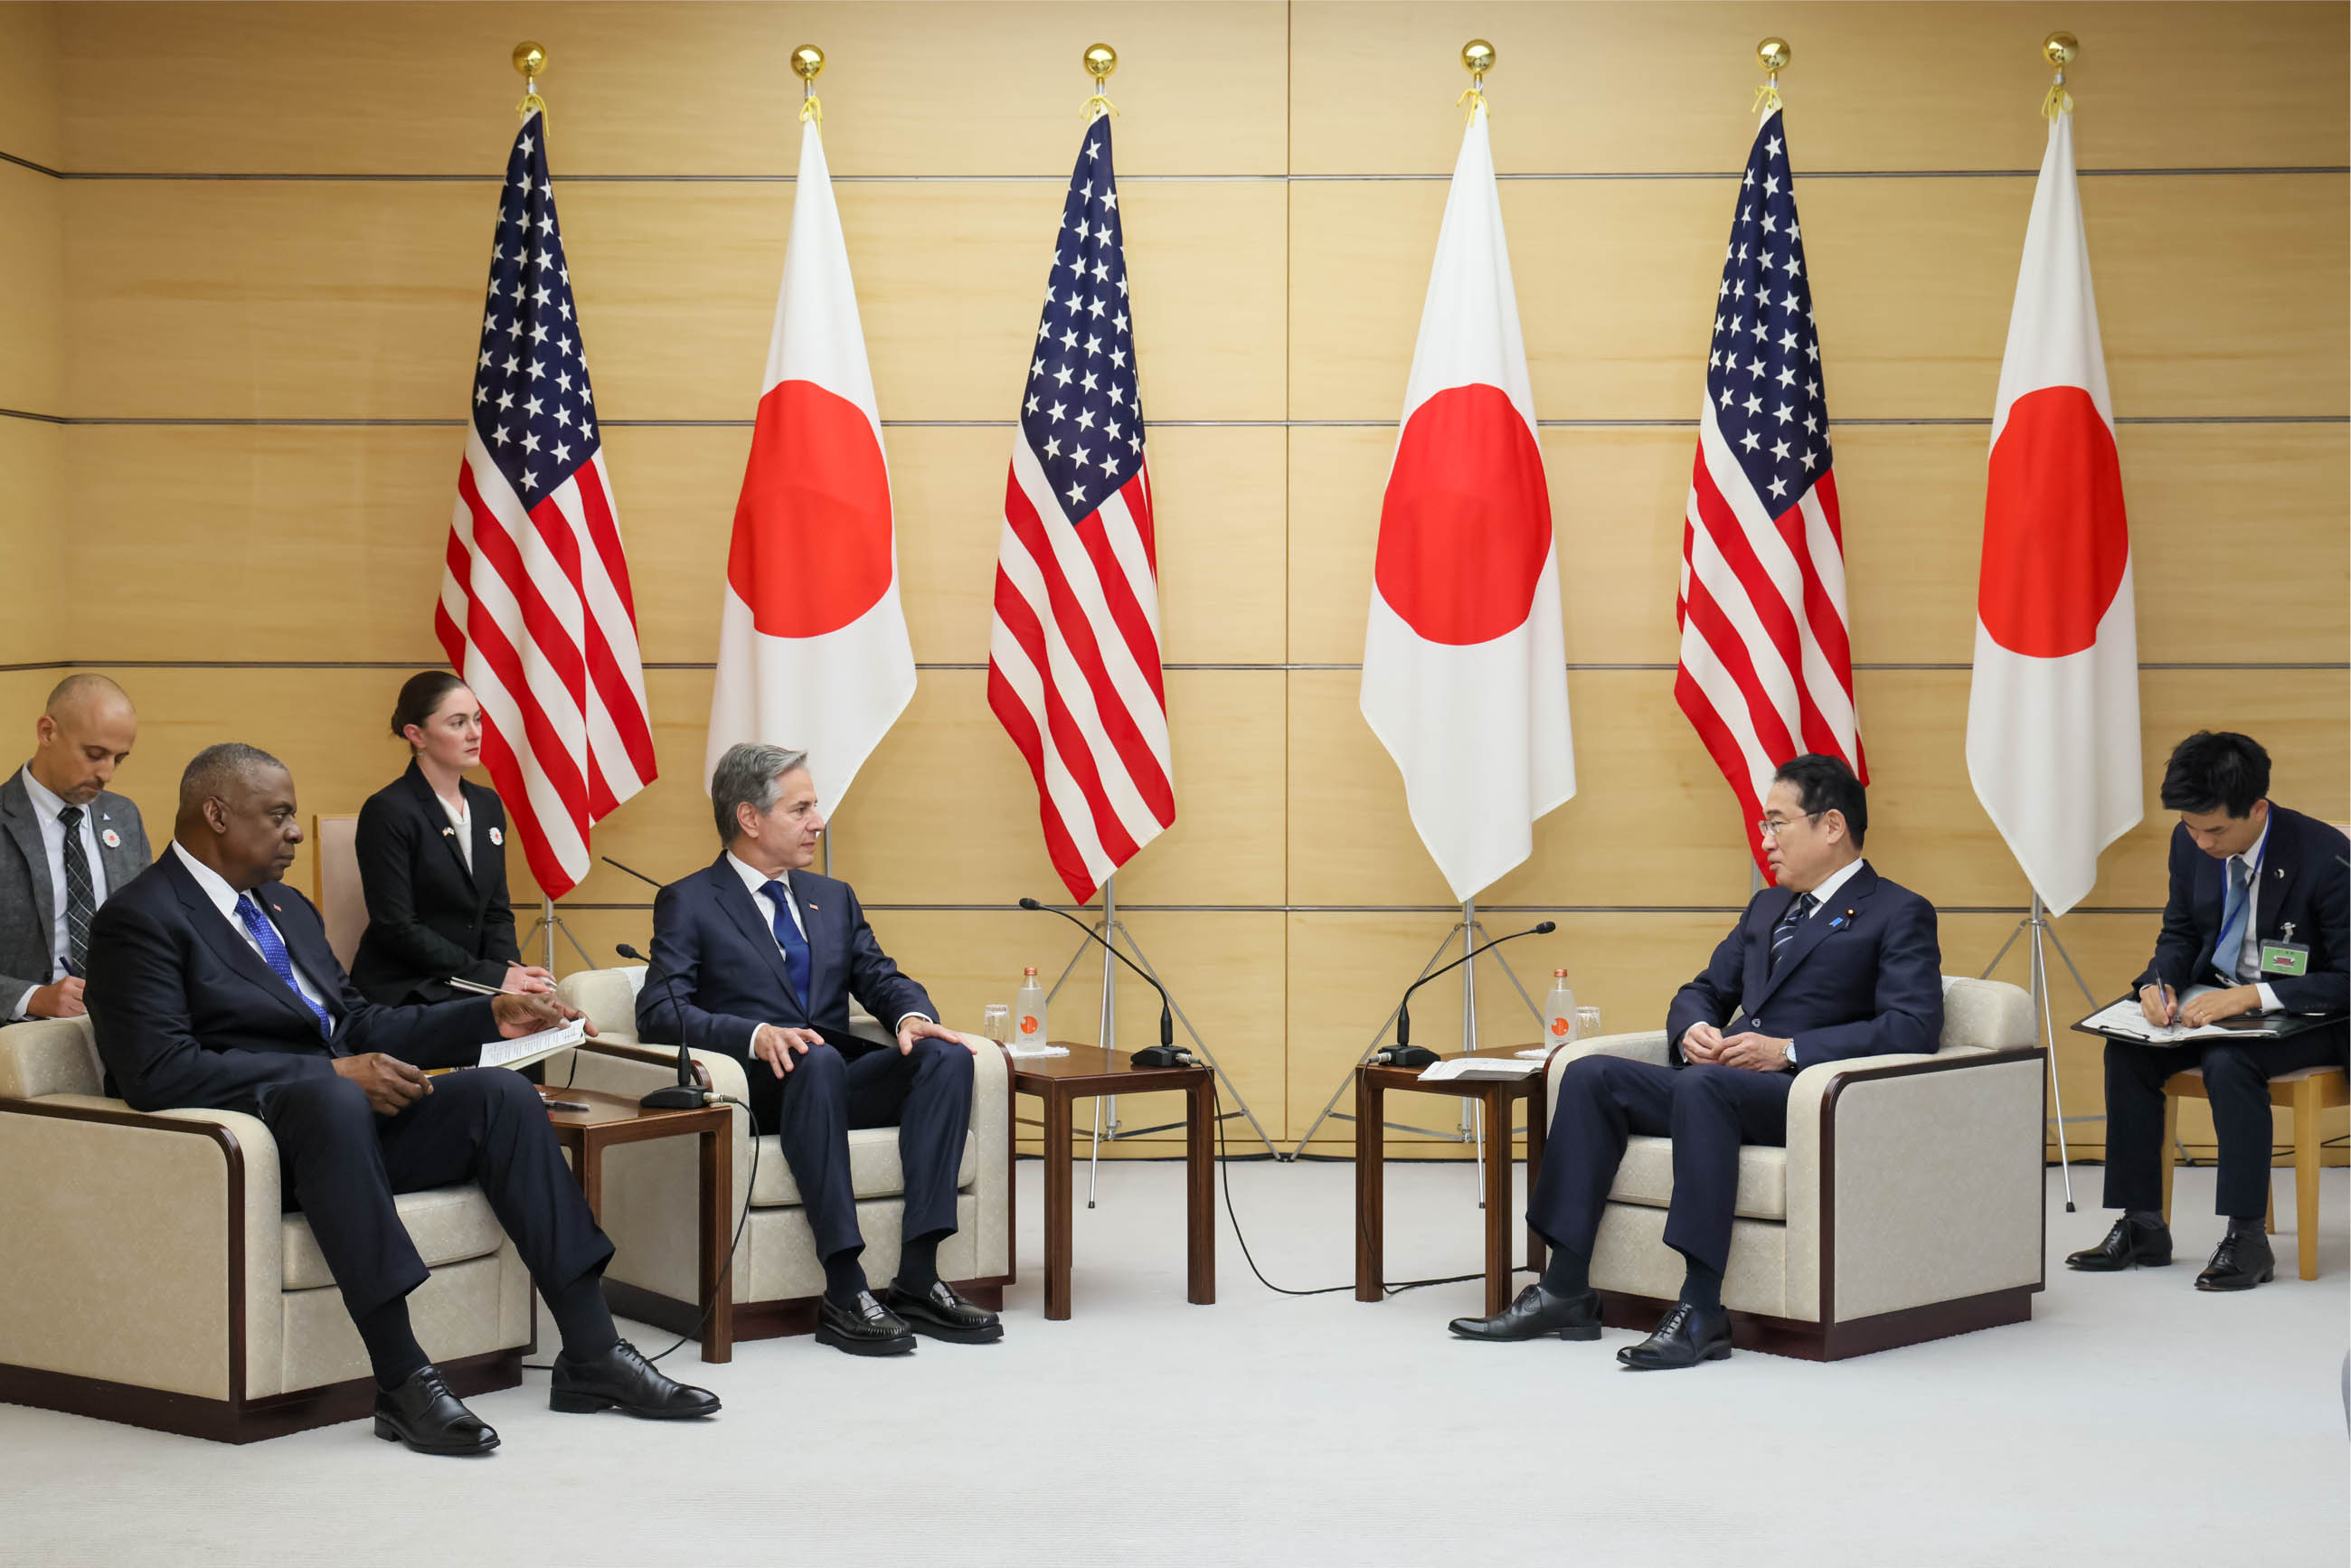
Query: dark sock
[
  {"x": 392, "y": 1346},
  {"x": 2248, "y": 1224},
  {"x": 918, "y": 1265},
  {"x": 581, "y": 1317},
  {"x": 1701, "y": 1286},
  {"x": 2145, "y": 1218},
  {"x": 844, "y": 1278},
  {"x": 1568, "y": 1273}
]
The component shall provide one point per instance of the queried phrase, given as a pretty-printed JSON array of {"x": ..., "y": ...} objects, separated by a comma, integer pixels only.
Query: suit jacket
[
  {"x": 1861, "y": 977},
  {"x": 2302, "y": 880},
  {"x": 28, "y": 903},
  {"x": 716, "y": 973},
  {"x": 187, "y": 1014},
  {"x": 428, "y": 917}
]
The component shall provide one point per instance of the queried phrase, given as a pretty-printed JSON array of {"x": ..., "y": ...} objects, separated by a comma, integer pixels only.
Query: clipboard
[{"x": 2121, "y": 1020}]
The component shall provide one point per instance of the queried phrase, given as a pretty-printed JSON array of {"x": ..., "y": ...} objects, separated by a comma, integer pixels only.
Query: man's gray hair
[
  {"x": 212, "y": 770},
  {"x": 746, "y": 775}
]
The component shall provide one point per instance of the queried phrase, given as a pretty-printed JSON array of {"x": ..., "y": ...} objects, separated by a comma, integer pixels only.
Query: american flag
[
  {"x": 1766, "y": 666},
  {"x": 1074, "y": 658},
  {"x": 535, "y": 611}
]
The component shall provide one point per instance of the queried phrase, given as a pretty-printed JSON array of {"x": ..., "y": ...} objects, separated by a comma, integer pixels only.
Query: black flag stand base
[{"x": 2044, "y": 936}]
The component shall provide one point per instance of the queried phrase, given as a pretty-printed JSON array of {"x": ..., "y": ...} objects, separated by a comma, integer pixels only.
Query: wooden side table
[
  {"x": 1089, "y": 1071},
  {"x": 614, "y": 1119},
  {"x": 1373, "y": 1084}
]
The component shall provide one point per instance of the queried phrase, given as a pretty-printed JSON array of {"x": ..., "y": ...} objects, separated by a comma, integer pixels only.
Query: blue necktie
[
  {"x": 273, "y": 952},
  {"x": 1785, "y": 931},
  {"x": 789, "y": 937},
  {"x": 2231, "y": 945}
]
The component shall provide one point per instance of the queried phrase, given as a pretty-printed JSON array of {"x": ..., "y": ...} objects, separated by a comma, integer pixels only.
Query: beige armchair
[
  {"x": 153, "y": 1279},
  {"x": 1907, "y": 1205},
  {"x": 648, "y": 1187}
]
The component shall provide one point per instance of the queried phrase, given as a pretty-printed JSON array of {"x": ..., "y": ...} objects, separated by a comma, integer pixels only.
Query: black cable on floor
[{"x": 1225, "y": 1164}]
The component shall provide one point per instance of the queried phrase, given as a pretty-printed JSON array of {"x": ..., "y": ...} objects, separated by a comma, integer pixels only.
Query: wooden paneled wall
[{"x": 260, "y": 327}]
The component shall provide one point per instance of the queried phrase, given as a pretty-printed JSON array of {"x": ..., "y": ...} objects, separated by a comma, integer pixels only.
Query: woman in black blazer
[{"x": 432, "y": 862}]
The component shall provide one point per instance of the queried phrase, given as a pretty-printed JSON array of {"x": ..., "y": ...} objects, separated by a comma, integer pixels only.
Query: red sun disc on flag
[
  {"x": 2055, "y": 536},
  {"x": 1466, "y": 526},
  {"x": 811, "y": 549}
]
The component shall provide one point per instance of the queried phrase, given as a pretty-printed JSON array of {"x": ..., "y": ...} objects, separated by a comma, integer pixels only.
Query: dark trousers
[
  {"x": 926, "y": 1094},
  {"x": 340, "y": 1163},
  {"x": 1707, "y": 1110},
  {"x": 2237, "y": 1075}
]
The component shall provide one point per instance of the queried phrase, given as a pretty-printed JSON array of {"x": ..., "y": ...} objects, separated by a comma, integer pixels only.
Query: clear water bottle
[
  {"x": 1558, "y": 1016},
  {"x": 1029, "y": 1014}
]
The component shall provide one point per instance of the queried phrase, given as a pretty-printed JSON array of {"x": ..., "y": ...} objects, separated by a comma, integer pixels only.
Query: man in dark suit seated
[
  {"x": 1832, "y": 962},
  {"x": 66, "y": 843},
  {"x": 211, "y": 984},
  {"x": 2257, "y": 914},
  {"x": 756, "y": 957}
]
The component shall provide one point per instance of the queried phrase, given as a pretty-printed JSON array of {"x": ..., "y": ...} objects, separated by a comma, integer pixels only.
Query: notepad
[
  {"x": 1464, "y": 1068},
  {"x": 532, "y": 1047},
  {"x": 2126, "y": 1020}
]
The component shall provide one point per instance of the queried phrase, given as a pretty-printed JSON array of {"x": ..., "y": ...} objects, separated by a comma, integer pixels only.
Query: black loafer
[
  {"x": 1536, "y": 1314},
  {"x": 621, "y": 1379},
  {"x": 1688, "y": 1335},
  {"x": 866, "y": 1328},
  {"x": 2129, "y": 1245},
  {"x": 424, "y": 1414},
  {"x": 939, "y": 1313},
  {"x": 2242, "y": 1261}
]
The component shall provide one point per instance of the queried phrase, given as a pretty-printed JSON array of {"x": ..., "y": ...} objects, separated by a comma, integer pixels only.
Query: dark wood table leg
[
  {"x": 717, "y": 1232},
  {"x": 1200, "y": 1194},
  {"x": 1058, "y": 1189},
  {"x": 591, "y": 1172},
  {"x": 1536, "y": 1132},
  {"x": 1497, "y": 1103},
  {"x": 1371, "y": 1220}
]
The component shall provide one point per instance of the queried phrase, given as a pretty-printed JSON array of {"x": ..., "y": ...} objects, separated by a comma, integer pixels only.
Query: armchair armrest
[
  {"x": 144, "y": 1250},
  {"x": 1917, "y": 1179},
  {"x": 1648, "y": 1045}
]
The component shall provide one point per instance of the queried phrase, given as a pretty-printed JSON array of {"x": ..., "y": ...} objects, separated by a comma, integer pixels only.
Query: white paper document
[
  {"x": 533, "y": 1048},
  {"x": 2125, "y": 1017},
  {"x": 1466, "y": 1068}
]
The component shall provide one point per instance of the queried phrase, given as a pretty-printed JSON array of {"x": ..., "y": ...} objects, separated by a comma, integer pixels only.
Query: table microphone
[
  {"x": 1165, "y": 1053},
  {"x": 685, "y": 1094},
  {"x": 1404, "y": 1054},
  {"x": 632, "y": 871}
]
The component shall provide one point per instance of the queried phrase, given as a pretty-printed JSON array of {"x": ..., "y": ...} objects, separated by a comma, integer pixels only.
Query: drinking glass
[
  {"x": 995, "y": 1023},
  {"x": 1587, "y": 1022}
]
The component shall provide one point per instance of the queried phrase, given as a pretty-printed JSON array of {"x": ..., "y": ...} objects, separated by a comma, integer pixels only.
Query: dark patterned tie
[
  {"x": 79, "y": 903},
  {"x": 789, "y": 937},
  {"x": 274, "y": 954},
  {"x": 1785, "y": 931}
]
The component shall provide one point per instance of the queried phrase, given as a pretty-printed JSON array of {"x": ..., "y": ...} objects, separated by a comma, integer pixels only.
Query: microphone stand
[
  {"x": 685, "y": 1094},
  {"x": 1404, "y": 1054},
  {"x": 1166, "y": 1054}
]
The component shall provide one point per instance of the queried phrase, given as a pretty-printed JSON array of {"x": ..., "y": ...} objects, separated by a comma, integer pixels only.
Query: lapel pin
[
  {"x": 496, "y": 837},
  {"x": 448, "y": 832},
  {"x": 110, "y": 839}
]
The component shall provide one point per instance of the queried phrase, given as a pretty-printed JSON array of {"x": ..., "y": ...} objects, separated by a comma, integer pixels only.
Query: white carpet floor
[{"x": 2133, "y": 1421}]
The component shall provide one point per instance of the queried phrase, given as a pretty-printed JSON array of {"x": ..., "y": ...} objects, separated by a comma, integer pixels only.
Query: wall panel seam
[
  {"x": 1448, "y": 909},
  {"x": 1197, "y": 666},
  {"x": 290, "y": 422}
]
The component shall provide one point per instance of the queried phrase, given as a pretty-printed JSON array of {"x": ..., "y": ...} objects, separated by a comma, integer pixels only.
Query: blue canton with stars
[
  {"x": 1082, "y": 414},
  {"x": 532, "y": 406},
  {"x": 1763, "y": 376}
]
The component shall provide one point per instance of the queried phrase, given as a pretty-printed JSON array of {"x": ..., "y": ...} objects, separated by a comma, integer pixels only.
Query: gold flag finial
[
  {"x": 1477, "y": 58},
  {"x": 530, "y": 59},
  {"x": 807, "y": 63},
  {"x": 1772, "y": 55},
  {"x": 2059, "y": 49},
  {"x": 1100, "y": 60}
]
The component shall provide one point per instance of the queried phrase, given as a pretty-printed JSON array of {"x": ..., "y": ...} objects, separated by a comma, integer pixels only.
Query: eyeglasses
[{"x": 1767, "y": 828}]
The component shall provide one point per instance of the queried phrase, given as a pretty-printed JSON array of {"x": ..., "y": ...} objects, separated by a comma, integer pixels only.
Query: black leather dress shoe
[
  {"x": 2130, "y": 1244},
  {"x": 866, "y": 1328},
  {"x": 1535, "y": 1314},
  {"x": 939, "y": 1313},
  {"x": 621, "y": 1379},
  {"x": 424, "y": 1414},
  {"x": 2242, "y": 1261},
  {"x": 1688, "y": 1335}
]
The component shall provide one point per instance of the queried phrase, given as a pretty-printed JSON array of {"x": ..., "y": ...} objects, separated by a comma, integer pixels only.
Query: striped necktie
[
  {"x": 80, "y": 903},
  {"x": 1785, "y": 931}
]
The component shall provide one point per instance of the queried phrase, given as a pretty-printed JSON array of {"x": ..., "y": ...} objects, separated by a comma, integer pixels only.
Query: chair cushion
[
  {"x": 873, "y": 1169},
  {"x": 448, "y": 1225},
  {"x": 1647, "y": 1177}
]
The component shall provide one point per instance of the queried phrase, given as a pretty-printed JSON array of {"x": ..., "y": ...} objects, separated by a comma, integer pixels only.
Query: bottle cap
[
  {"x": 1558, "y": 974},
  {"x": 1031, "y": 972}
]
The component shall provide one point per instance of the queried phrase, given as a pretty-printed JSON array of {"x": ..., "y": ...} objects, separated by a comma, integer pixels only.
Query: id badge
[{"x": 2285, "y": 958}]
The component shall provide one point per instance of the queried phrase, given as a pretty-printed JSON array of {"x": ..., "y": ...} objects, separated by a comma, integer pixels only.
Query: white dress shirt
[
  {"x": 2249, "y": 953},
  {"x": 461, "y": 817},
  {"x": 756, "y": 881},
  {"x": 47, "y": 804},
  {"x": 224, "y": 898}
]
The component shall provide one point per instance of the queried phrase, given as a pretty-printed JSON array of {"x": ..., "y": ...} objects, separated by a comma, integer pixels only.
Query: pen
[{"x": 481, "y": 991}]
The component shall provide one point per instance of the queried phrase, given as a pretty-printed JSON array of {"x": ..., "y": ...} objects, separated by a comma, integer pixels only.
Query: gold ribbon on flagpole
[
  {"x": 807, "y": 63},
  {"x": 1477, "y": 58},
  {"x": 1100, "y": 60},
  {"x": 2060, "y": 48},
  {"x": 1774, "y": 54},
  {"x": 530, "y": 59}
]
